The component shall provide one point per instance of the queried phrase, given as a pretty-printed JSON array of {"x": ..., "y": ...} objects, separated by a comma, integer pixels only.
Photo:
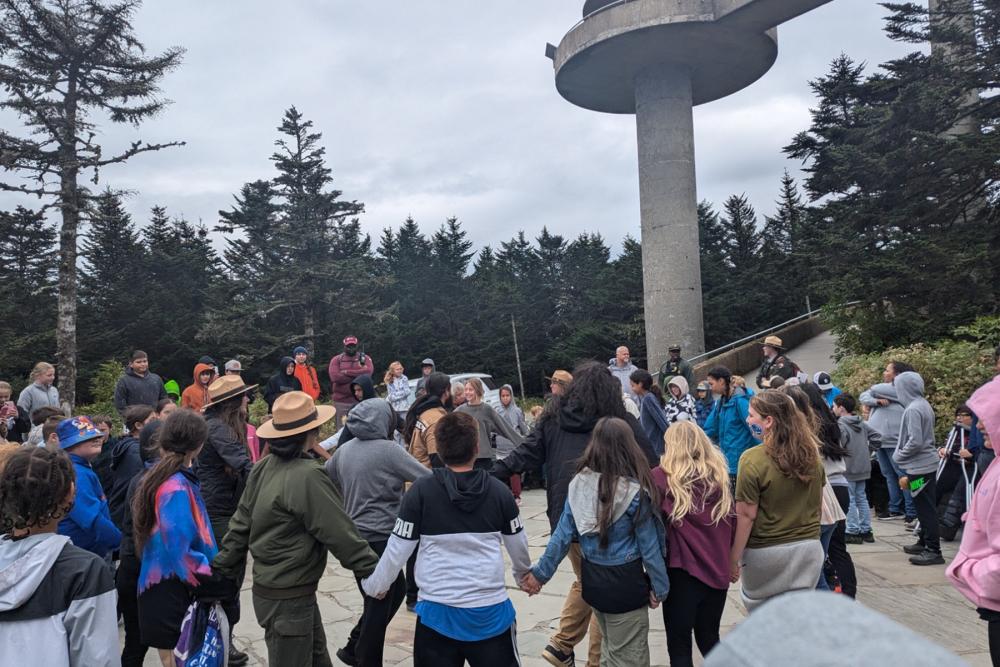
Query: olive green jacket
[{"x": 289, "y": 516}]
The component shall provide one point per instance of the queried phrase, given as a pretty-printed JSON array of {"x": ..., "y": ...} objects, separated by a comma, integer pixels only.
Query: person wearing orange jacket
[
  {"x": 306, "y": 373},
  {"x": 195, "y": 396}
]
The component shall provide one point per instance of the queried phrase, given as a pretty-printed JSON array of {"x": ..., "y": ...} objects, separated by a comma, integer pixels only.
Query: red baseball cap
[{"x": 351, "y": 340}]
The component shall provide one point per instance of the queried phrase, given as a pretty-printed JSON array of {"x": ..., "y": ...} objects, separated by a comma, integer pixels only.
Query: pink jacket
[{"x": 975, "y": 572}]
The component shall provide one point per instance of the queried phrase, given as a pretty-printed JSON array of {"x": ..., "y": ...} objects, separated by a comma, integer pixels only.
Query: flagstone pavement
[{"x": 918, "y": 597}]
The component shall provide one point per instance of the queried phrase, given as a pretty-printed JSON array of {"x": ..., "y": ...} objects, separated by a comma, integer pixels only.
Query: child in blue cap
[{"x": 88, "y": 525}]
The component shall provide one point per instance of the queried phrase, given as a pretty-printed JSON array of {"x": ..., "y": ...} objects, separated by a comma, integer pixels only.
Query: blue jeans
[
  {"x": 859, "y": 516},
  {"x": 900, "y": 502}
]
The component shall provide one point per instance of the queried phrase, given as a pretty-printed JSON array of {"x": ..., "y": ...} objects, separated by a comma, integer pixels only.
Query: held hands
[
  {"x": 882, "y": 402},
  {"x": 530, "y": 585},
  {"x": 734, "y": 571}
]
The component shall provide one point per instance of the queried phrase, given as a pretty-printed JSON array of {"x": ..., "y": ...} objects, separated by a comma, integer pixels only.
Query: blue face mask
[{"x": 757, "y": 430}]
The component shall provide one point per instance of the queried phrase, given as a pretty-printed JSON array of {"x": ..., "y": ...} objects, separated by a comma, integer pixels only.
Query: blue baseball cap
[{"x": 75, "y": 430}]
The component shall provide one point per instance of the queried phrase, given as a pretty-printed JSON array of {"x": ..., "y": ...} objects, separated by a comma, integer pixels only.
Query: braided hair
[{"x": 35, "y": 487}]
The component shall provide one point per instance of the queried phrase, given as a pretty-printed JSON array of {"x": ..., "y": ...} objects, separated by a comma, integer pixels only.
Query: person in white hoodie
[
  {"x": 57, "y": 601},
  {"x": 917, "y": 455}
]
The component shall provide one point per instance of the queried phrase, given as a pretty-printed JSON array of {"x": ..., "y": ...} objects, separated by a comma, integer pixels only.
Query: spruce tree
[
  {"x": 114, "y": 263},
  {"x": 64, "y": 63},
  {"x": 27, "y": 272}
]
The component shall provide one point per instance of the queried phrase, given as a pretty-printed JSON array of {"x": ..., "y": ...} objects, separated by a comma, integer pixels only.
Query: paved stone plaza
[{"x": 918, "y": 597}]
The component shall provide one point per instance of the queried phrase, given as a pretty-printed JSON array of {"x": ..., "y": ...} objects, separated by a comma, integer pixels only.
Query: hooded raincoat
[{"x": 195, "y": 396}]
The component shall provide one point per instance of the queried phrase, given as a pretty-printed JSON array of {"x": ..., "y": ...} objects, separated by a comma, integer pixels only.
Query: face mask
[{"x": 351, "y": 349}]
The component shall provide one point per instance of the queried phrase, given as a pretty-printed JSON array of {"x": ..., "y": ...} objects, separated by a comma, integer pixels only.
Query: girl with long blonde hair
[
  {"x": 779, "y": 489},
  {"x": 693, "y": 479},
  {"x": 398, "y": 387}
]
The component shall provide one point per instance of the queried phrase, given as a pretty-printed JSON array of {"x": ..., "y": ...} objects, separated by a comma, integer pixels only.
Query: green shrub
[
  {"x": 951, "y": 369},
  {"x": 102, "y": 388}
]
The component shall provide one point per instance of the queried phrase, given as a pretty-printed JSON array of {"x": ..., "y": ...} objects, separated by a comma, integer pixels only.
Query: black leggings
[
  {"x": 367, "y": 640},
  {"x": 840, "y": 559},
  {"x": 925, "y": 503},
  {"x": 992, "y": 619},
  {"x": 127, "y": 581},
  {"x": 691, "y": 605},
  {"x": 432, "y": 649}
]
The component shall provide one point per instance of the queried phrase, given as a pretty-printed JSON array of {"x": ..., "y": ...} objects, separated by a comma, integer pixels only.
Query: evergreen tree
[
  {"x": 63, "y": 62},
  {"x": 115, "y": 262},
  {"x": 904, "y": 180},
  {"x": 28, "y": 308}
]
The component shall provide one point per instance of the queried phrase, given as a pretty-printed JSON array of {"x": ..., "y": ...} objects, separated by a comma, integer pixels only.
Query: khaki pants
[
  {"x": 626, "y": 638},
  {"x": 293, "y": 631},
  {"x": 576, "y": 616}
]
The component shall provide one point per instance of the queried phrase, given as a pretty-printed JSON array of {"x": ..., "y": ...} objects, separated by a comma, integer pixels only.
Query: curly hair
[
  {"x": 594, "y": 392},
  {"x": 35, "y": 483},
  {"x": 791, "y": 442}
]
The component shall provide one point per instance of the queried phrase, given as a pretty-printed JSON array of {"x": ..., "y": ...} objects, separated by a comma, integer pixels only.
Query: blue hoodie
[
  {"x": 88, "y": 525},
  {"x": 727, "y": 427}
]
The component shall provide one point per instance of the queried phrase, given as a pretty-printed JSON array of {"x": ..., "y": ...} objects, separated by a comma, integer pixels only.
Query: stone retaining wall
[{"x": 747, "y": 357}]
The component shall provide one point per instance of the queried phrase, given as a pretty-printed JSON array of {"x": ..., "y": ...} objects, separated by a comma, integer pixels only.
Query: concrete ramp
[{"x": 812, "y": 356}]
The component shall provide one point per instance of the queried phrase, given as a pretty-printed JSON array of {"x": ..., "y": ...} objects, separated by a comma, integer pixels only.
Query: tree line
[{"x": 898, "y": 212}]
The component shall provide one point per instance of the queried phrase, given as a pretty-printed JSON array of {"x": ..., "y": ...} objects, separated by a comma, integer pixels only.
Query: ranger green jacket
[{"x": 289, "y": 516}]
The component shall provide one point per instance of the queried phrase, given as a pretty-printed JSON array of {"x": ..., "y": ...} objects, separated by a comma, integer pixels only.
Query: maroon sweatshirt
[{"x": 697, "y": 545}]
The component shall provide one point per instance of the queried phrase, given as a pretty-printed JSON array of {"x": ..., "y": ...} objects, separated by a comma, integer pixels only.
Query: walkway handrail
[{"x": 754, "y": 336}]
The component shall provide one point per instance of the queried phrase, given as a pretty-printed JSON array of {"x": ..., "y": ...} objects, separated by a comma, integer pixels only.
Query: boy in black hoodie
[{"x": 457, "y": 518}]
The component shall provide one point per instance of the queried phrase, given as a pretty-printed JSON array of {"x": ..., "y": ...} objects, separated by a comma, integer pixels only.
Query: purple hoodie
[{"x": 697, "y": 545}]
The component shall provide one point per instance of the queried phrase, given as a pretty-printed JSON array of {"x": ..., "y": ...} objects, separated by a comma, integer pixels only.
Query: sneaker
[
  {"x": 346, "y": 657},
  {"x": 868, "y": 537},
  {"x": 928, "y": 558},
  {"x": 889, "y": 516},
  {"x": 237, "y": 658},
  {"x": 853, "y": 538},
  {"x": 910, "y": 521},
  {"x": 914, "y": 549},
  {"x": 554, "y": 656}
]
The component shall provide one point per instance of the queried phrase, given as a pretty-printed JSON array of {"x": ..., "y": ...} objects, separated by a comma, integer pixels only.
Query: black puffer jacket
[
  {"x": 558, "y": 443},
  {"x": 223, "y": 467}
]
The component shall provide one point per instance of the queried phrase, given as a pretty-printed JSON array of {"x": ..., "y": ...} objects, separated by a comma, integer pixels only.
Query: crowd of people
[{"x": 659, "y": 498}]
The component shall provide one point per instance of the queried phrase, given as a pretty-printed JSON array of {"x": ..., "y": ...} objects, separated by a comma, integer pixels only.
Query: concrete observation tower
[{"x": 657, "y": 59}]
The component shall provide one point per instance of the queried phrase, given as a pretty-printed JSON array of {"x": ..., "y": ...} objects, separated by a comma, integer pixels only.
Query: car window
[{"x": 488, "y": 381}]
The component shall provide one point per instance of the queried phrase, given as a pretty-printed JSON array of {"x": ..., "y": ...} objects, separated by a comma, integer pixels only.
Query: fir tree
[{"x": 63, "y": 62}]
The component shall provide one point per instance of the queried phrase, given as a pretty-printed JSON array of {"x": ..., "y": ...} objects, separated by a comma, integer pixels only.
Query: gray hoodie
[
  {"x": 370, "y": 470},
  {"x": 884, "y": 419},
  {"x": 58, "y": 602},
  {"x": 622, "y": 374},
  {"x": 915, "y": 453},
  {"x": 36, "y": 396},
  {"x": 860, "y": 440}
]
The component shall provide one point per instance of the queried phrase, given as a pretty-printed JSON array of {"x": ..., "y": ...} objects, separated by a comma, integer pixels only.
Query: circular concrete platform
[{"x": 597, "y": 61}]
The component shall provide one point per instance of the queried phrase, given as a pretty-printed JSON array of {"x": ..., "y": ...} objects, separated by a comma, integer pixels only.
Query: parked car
[{"x": 491, "y": 397}]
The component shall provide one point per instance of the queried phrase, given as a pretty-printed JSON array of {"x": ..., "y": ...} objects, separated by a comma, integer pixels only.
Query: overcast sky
[{"x": 447, "y": 107}]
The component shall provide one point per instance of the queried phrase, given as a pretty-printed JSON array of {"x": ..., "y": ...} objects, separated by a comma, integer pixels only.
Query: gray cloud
[{"x": 444, "y": 108}]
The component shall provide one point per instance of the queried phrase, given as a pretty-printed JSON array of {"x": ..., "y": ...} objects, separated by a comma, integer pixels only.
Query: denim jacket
[{"x": 646, "y": 541}]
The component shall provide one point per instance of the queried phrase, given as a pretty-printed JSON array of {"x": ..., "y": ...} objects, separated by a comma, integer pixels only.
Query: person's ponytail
[
  {"x": 181, "y": 433},
  {"x": 144, "y": 503}
]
